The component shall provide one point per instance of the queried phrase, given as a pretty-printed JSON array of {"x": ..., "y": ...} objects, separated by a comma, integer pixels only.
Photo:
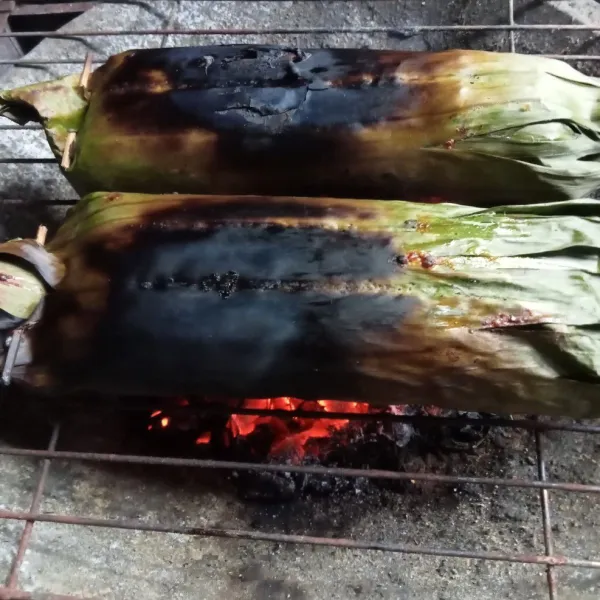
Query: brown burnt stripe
[{"x": 196, "y": 208}]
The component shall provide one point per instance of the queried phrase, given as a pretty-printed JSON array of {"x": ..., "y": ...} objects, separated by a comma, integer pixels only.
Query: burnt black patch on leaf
[
  {"x": 234, "y": 311},
  {"x": 253, "y": 90},
  {"x": 303, "y": 163},
  {"x": 255, "y": 343},
  {"x": 279, "y": 120},
  {"x": 253, "y": 250}
]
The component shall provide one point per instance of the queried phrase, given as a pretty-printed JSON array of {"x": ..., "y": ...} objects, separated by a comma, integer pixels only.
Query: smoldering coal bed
[{"x": 327, "y": 434}]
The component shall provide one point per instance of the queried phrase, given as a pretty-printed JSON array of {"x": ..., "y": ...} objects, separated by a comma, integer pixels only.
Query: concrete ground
[{"x": 120, "y": 565}]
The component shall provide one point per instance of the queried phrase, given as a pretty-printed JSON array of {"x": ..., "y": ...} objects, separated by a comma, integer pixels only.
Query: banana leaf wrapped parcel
[
  {"x": 457, "y": 125},
  {"x": 383, "y": 302}
]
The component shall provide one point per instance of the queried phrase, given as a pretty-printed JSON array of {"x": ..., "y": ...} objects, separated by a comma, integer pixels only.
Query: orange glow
[{"x": 289, "y": 435}]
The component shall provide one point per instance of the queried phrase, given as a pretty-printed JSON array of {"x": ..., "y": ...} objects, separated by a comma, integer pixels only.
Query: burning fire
[
  {"x": 289, "y": 436},
  {"x": 293, "y": 431},
  {"x": 292, "y": 435}
]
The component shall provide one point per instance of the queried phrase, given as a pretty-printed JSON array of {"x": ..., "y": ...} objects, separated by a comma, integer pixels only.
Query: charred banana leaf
[
  {"x": 382, "y": 302},
  {"x": 468, "y": 127}
]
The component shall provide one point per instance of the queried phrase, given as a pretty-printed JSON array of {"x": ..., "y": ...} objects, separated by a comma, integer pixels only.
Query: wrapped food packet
[
  {"x": 463, "y": 126},
  {"x": 384, "y": 302}
]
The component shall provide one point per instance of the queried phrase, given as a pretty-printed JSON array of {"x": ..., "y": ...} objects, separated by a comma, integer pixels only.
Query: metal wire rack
[{"x": 550, "y": 559}]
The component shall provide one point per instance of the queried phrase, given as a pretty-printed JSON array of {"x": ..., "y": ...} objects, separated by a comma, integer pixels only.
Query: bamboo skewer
[
  {"x": 42, "y": 232},
  {"x": 85, "y": 74},
  {"x": 65, "y": 162}
]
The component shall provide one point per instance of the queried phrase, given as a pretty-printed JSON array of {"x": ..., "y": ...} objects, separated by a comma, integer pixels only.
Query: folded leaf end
[{"x": 58, "y": 105}]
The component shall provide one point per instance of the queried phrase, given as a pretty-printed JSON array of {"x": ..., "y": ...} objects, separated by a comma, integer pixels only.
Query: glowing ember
[
  {"x": 203, "y": 439},
  {"x": 287, "y": 435},
  {"x": 291, "y": 435}
]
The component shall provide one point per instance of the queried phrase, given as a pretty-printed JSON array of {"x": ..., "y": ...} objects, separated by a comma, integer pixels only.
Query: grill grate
[{"x": 549, "y": 558}]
